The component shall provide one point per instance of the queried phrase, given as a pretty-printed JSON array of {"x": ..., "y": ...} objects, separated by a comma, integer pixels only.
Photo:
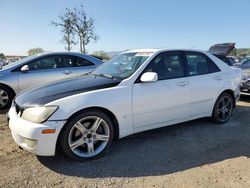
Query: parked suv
[{"x": 38, "y": 69}]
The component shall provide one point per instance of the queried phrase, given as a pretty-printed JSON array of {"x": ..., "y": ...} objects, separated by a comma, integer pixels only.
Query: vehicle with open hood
[{"x": 222, "y": 51}]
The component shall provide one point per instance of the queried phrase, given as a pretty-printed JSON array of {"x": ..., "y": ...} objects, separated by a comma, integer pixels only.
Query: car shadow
[
  {"x": 4, "y": 111},
  {"x": 165, "y": 150},
  {"x": 245, "y": 97}
]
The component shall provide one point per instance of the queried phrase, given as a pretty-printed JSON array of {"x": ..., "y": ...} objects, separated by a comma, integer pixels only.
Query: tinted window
[
  {"x": 52, "y": 62},
  {"x": 80, "y": 62},
  {"x": 66, "y": 61},
  {"x": 167, "y": 66},
  {"x": 199, "y": 64}
]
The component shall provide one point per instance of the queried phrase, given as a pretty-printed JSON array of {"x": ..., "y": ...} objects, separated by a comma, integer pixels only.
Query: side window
[
  {"x": 52, "y": 62},
  {"x": 43, "y": 63},
  {"x": 66, "y": 61},
  {"x": 199, "y": 64},
  {"x": 167, "y": 66},
  {"x": 80, "y": 62}
]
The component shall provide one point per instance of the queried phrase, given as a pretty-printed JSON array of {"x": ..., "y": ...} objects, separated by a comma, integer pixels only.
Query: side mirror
[
  {"x": 25, "y": 68},
  {"x": 149, "y": 77}
]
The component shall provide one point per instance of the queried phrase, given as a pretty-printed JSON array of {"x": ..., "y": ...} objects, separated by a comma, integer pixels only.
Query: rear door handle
[
  {"x": 182, "y": 84},
  {"x": 218, "y": 78},
  {"x": 67, "y": 72}
]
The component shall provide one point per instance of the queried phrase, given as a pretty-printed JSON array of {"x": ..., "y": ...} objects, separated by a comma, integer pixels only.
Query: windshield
[
  {"x": 122, "y": 66},
  {"x": 19, "y": 62}
]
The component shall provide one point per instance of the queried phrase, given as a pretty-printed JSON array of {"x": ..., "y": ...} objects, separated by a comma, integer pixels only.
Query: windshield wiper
[{"x": 105, "y": 76}]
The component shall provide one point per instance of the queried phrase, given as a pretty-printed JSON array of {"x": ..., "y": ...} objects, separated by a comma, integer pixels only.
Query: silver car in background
[
  {"x": 245, "y": 83},
  {"x": 40, "y": 69}
]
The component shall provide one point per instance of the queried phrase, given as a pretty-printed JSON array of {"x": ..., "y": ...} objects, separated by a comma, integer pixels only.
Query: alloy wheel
[
  {"x": 225, "y": 107},
  {"x": 89, "y": 136},
  {"x": 4, "y": 98}
]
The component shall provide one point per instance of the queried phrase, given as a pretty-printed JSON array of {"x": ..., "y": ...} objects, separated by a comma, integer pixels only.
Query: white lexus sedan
[{"x": 133, "y": 92}]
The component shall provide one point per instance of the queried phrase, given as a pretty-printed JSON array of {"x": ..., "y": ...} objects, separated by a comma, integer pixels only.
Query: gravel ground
[{"x": 192, "y": 154}]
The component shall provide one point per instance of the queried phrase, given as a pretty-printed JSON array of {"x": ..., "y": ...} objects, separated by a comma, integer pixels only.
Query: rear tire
[
  {"x": 87, "y": 136},
  {"x": 6, "y": 97},
  {"x": 223, "y": 108}
]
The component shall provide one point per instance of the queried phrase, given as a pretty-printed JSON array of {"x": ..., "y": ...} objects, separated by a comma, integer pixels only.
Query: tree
[
  {"x": 34, "y": 51},
  {"x": 77, "y": 22},
  {"x": 101, "y": 55},
  {"x": 66, "y": 24},
  {"x": 84, "y": 27},
  {"x": 2, "y": 57}
]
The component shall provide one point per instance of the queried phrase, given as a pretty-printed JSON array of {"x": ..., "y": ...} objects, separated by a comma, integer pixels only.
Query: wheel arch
[
  {"x": 102, "y": 109},
  {"x": 5, "y": 85},
  {"x": 230, "y": 92}
]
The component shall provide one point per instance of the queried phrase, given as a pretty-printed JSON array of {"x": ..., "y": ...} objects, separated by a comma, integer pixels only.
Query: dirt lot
[{"x": 193, "y": 154}]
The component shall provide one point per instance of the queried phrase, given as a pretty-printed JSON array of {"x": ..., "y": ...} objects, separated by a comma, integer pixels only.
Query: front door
[
  {"x": 165, "y": 101},
  {"x": 46, "y": 69}
]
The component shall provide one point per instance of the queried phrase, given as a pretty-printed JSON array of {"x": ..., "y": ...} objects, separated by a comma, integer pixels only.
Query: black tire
[
  {"x": 69, "y": 126},
  {"x": 217, "y": 114},
  {"x": 7, "y": 92}
]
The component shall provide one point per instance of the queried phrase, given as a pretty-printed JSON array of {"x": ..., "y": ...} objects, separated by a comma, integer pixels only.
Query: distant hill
[
  {"x": 243, "y": 52},
  {"x": 114, "y": 53}
]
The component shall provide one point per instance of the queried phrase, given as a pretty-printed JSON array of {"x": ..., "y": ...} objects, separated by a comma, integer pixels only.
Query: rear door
[{"x": 206, "y": 81}]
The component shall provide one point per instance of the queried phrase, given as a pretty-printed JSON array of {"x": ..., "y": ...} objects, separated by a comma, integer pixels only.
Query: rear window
[
  {"x": 200, "y": 64},
  {"x": 80, "y": 62}
]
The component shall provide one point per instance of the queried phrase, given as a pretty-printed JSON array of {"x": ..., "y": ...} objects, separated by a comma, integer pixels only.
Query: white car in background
[{"x": 133, "y": 92}]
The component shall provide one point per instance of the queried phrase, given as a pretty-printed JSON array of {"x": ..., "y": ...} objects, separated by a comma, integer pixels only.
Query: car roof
[
  {"x": 162, "y": 50},
  {"x": 85, "y": 56},
  {"x": 142, "y": 50}
]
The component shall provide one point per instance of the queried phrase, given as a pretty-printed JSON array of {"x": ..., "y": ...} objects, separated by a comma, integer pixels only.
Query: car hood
[
  {"x": 43, "y": 94},
  {"x": 4, "y": 72},
  {"x": 222, "y": 49}
]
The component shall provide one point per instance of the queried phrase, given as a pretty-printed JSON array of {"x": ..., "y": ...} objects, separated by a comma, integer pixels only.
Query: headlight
[{"x": 38, "y": 114}]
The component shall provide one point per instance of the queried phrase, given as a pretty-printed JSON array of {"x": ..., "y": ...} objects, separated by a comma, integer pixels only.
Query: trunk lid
[{"x": 222, "y": 49}]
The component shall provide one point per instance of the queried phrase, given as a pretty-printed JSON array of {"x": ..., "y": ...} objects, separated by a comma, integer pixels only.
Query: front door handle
[
  {"x": 182, "y": 84},
  {"x": 218, "y": 78},
  {"x": 67, "y": 72}
]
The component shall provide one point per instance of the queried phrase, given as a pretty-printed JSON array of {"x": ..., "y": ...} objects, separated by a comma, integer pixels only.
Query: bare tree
[
  {"x": 66, "y": 24},
  {"x": 84, "y": 28}
]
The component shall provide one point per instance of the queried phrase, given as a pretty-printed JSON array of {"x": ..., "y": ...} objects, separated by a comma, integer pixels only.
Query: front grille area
[{"x": 18, "y": 108}]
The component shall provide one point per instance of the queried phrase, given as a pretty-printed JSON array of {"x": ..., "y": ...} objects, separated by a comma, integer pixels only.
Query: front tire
[
  {"x": 223, "y": 108},
  {"x": 87, "y": 136},
  {"x": 6, "y": 97}
]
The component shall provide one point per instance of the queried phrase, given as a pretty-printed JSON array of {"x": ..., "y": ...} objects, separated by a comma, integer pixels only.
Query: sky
[{"x": 127, "y": 24}]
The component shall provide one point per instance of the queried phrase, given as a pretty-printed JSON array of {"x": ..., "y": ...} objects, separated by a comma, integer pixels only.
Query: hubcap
[
  {"x": 224, "y": 109},
  {"x": 4, "y": 98},
  {"x": 89, "y": 136}
]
